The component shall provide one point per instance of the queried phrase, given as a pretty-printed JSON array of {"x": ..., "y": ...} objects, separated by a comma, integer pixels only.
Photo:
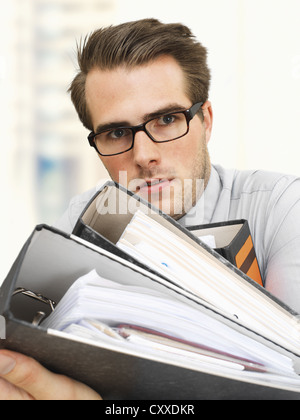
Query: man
[{"x": 142, "y": 90}]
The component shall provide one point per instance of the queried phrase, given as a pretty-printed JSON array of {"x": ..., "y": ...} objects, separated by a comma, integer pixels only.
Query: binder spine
[{"x": 246, "y": 261}]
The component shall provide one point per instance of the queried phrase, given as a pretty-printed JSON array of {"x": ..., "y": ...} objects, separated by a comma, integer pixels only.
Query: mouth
[{"x": 154, "y": 185}]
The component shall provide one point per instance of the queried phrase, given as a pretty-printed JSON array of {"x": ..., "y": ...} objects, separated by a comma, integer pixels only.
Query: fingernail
[{"x": 6, "y": 364}]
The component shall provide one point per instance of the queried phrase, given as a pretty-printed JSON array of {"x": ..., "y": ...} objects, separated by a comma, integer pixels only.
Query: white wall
[{"x": 254, "y": 54}]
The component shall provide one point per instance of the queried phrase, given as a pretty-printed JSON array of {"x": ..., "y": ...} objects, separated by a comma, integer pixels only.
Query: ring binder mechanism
[{"x": 40, "y": 316}]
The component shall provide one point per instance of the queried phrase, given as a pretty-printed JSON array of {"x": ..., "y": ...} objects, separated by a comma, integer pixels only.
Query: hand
[{"x": 22, "y": 378}]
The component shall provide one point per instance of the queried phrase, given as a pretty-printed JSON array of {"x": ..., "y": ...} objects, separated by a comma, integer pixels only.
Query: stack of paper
[
  {"x": 193, "y": 269},
  {"x": 103, "y": 310}
]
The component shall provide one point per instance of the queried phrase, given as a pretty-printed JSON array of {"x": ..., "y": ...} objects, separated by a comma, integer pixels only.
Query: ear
[{"x": 208, "y": 119}]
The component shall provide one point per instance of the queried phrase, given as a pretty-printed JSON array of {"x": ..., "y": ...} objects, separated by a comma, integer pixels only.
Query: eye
[
  {"x": 119, "y": 133},
  {"x": 166, "y": 119},
  {"x": 116, "y": 134}
]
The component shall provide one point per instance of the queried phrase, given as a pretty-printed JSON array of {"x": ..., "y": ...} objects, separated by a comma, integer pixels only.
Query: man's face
[{"x": 165, "y": 174}]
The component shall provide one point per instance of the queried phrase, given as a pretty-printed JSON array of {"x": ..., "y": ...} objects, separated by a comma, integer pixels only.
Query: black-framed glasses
[{"x": 162, "y": 129}]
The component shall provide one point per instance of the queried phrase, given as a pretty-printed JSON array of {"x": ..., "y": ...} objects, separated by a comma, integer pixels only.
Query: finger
[
  {"x": 9, "y": 392},
  {"x": 28, "y": 375}
]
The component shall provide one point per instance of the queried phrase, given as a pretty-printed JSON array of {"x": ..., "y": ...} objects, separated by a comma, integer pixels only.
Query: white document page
[{"x": 196, "y": 271}]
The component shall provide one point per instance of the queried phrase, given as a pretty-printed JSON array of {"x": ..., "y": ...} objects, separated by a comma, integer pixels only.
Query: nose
[{"x": 146, "y": 153}]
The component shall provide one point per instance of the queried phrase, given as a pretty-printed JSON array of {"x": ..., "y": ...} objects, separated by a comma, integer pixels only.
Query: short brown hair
[{"x": 137, "y": 43}]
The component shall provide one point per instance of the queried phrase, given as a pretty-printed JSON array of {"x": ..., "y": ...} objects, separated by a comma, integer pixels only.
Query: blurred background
[{"x": 254, "y": 54}]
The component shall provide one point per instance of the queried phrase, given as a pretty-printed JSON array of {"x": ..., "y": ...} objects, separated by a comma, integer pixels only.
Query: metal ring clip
[{"x": 37, "y": 296}]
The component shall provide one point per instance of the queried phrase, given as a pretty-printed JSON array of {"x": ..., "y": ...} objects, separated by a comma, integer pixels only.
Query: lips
[
  {"x": 152, "y": 182},
  {"x": 152, "y": 185}
]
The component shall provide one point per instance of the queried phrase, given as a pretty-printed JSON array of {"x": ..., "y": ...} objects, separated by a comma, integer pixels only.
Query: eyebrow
[{"x": 166, "y": 110}]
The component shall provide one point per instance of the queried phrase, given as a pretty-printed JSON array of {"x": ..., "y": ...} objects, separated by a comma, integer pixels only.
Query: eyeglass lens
[{"x": 164, "y": 128}]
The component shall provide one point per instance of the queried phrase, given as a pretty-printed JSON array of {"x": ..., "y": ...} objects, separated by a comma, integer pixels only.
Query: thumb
[{"x": 28, "y": 375}]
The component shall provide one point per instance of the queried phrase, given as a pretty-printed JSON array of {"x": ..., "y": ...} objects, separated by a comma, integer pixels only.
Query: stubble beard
[
  {"x": 194, "y": 186},
  {"x": 183, "y": 194}
]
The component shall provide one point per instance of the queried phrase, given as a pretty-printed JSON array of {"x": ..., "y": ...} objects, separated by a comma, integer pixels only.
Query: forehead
[{"x": 129, "y": 93}]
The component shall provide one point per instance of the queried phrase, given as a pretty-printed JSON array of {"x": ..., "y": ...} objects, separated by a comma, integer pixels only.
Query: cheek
[
  {"x": 111, "y": 166},
  {"x": 116, "y": 166},
  {"x": 183, "y": 155}
]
